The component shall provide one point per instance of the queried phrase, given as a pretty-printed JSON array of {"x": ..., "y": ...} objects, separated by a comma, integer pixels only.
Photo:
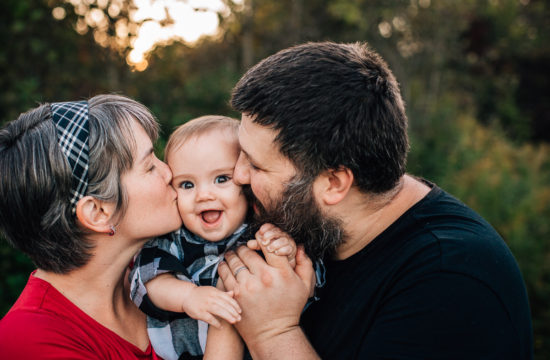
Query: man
[{"x": 411, "y": 272}]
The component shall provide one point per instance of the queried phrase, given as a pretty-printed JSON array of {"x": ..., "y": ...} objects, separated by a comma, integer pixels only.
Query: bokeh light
[{"x": 184, "y": 21}]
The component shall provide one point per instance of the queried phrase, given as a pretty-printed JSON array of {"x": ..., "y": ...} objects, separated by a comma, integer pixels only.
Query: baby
[{"x": 174, "y": 277}]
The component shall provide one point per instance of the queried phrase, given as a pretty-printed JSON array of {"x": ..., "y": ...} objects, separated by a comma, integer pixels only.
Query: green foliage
[
  {"x": 16, "y": 268},
  {"x": 508, "y": 184},
  {"x": 44, "y": 59},
  {"x": 180, "y": 90}
]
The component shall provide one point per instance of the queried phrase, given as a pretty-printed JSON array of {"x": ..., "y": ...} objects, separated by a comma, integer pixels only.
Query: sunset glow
[{"x": 189, "y": 24}]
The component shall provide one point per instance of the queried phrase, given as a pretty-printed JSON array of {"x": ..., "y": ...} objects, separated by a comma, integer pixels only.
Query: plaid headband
[{"x": 71, "y": 121}]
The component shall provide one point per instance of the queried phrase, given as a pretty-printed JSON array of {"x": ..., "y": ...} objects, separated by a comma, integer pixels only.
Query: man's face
[
  {"x": 280, "y": 194},
  {"x": 261, "y": 165}
]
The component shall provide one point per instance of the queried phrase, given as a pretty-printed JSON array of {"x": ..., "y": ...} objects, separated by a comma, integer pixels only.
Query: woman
[{"x": 80, "y": 192}]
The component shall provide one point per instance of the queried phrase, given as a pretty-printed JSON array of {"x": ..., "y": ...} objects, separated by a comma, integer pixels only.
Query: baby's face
[{"x": 210, "y": 204}]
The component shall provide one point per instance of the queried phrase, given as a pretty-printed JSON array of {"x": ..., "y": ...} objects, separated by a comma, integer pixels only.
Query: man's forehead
[
  {"x": 254, "y": 132},
  {"x": 257, "y": 139}
]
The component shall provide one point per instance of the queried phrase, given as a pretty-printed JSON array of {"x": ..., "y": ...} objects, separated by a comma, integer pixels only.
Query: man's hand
[{"x": 271, "y": 294}]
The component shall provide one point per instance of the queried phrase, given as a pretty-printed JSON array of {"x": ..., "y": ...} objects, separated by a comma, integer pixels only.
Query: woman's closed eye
[{"x": 150, "y": 166}]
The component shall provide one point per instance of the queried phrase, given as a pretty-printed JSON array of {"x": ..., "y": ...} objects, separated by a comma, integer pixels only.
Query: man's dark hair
[{"x": 333, "y": 105}]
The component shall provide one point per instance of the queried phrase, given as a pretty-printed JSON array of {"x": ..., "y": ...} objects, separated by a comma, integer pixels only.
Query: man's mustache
[
  {"x": 252, "y": 199},
  {"x": 248, "y": 194}
]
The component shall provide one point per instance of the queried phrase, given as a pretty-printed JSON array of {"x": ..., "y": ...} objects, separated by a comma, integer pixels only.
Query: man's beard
[{"x": 297, "y": 213}]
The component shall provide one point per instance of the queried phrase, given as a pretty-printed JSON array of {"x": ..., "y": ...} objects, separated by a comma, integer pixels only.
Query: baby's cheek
[
  {"x": 185, "y": 204},
  {"x": 242, "y": 207}
]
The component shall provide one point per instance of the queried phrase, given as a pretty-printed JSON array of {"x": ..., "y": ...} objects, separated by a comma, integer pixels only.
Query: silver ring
[{"x": 239, "y": 270}]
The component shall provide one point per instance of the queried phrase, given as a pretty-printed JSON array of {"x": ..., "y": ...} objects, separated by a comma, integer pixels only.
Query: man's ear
[
  {"x": 333, "y": 185},
  {"x": 94, "y": 214}
]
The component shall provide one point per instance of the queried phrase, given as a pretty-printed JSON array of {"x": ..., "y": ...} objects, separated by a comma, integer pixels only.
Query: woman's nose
[{"x": 166, "y": 171}]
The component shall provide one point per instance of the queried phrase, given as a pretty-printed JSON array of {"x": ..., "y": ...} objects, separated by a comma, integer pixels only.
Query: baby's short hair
[{"x": 200, "y": 126}]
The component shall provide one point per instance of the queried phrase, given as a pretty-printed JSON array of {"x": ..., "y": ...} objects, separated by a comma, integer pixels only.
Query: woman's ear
[
  {"x": 333, "y": 185},
  {"x": 94, "y": 214}
]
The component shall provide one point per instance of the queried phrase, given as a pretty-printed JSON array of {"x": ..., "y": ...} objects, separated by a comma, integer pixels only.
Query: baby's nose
[{"x": 205, "y": 193}]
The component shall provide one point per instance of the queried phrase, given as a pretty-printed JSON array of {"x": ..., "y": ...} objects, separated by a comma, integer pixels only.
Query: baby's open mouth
[{"x": 211, "y": 216}]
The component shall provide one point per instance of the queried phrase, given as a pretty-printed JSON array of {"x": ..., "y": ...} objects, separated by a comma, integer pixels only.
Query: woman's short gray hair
[{"x": 35, "y": 178}]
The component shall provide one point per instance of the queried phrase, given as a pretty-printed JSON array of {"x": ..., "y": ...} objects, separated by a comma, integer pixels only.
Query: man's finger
[
  {"x": 253, "y": 244},
  {"x": 235, "y": 263},
  {"x": 304, "y": 266},
  {"x": 227, "y": 276}
]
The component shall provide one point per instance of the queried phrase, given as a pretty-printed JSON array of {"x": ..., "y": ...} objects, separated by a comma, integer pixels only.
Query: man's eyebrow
[{"x": 250, "y": 158}]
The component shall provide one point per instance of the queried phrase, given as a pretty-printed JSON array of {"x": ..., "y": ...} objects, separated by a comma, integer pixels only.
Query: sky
[
  {"x": 190, "y": 19},
  {"x": 189, "y": 25}
]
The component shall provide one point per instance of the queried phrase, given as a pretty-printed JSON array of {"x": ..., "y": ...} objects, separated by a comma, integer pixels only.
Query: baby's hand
[
  {"x": 275, "y": 241},
  {"x": 206, "y": 302}
]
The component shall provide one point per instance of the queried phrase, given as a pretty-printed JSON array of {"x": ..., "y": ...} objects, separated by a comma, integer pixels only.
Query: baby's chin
[{"x": 214, "y": 237}]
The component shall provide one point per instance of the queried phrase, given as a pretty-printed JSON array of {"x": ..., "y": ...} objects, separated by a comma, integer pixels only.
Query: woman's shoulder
[
  {"x": 31, "y": 332},
  {"x": 44, "y": 324},
  {"x": 41, "y": 313}
]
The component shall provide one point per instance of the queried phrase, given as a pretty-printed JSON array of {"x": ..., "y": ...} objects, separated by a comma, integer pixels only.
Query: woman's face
[{"x": 152, "y": 202}]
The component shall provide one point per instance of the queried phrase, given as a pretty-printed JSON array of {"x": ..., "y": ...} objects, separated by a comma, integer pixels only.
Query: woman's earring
[{"x": 112, "y": 231}]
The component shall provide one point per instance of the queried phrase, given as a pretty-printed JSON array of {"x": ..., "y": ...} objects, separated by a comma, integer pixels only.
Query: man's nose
[{"x": 241, "y": 174}]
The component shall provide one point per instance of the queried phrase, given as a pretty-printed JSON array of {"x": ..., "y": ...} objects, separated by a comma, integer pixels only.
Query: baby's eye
[
  {"x": 186, "y": 185},
  {"x": 221, "y": 179}
]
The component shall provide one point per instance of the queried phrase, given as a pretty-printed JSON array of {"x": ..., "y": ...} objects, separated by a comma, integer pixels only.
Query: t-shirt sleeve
[
  {"x": 158, "y": 256},
  {"x": 320, "y": 279},
  {"x": 439, "y": 315}
]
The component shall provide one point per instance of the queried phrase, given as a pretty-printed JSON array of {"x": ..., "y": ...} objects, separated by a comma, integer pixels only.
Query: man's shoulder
[
  {"x": 456, "y": 228},
  {"x": 445, "y": 218},
  {"x": 462, "y": 243},
  {"x": 463, "y": 239}
]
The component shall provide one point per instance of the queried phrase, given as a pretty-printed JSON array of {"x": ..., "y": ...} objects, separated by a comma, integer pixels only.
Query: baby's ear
[
  {"x": 333, "y": 185},
  {"x": 94, "y": 214}
]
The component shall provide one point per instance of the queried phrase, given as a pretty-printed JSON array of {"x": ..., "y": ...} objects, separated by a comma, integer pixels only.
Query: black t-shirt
[{"x": 439, "y": 283}]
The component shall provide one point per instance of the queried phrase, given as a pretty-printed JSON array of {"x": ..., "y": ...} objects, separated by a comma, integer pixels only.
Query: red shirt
[{"x": 43, "y": 324}]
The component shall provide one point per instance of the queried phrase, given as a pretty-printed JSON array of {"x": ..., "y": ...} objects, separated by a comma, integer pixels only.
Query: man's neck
[{"x": 366, "y": 216}]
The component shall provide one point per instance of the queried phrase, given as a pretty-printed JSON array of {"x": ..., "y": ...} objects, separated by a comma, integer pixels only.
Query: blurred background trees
[{"x": 474, "y": 75}]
